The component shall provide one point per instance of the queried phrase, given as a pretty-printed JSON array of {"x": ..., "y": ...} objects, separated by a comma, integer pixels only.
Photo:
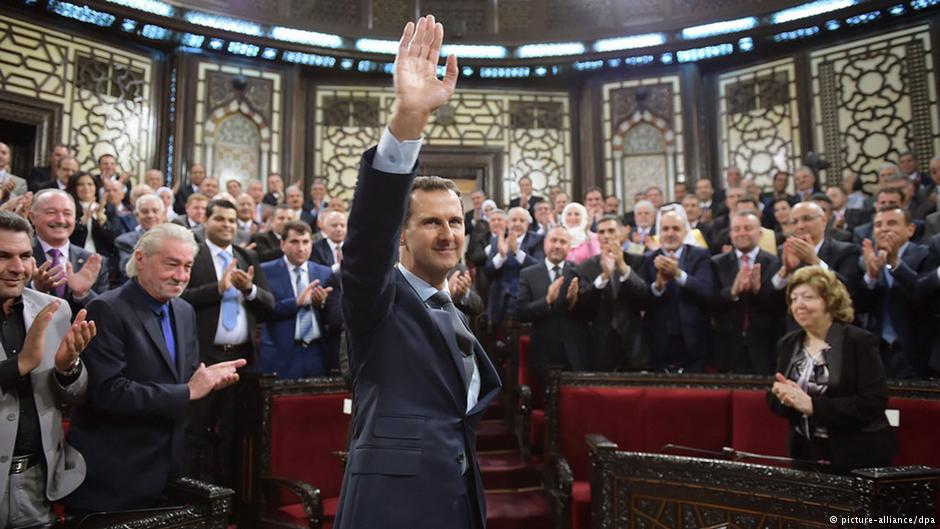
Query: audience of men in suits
[
  {"x": 508, "y": 252},
  {"x": 40, "y": 176}
]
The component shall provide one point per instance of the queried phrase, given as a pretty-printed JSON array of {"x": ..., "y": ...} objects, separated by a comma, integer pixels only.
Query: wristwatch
[{"x": 72, "y": 371}]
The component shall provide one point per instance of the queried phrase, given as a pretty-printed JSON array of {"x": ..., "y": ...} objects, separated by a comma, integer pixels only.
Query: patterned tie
[
  {"x": 230, "y": 305},
  {"x": 888, "y": 333},
  {"x": 465, "y": 340},
  {"x": 307, "y": 328},
  {"x": 167, "y": 328},
  {"x": 746, "y": 265},
  {"x": 56, "y": 255}
]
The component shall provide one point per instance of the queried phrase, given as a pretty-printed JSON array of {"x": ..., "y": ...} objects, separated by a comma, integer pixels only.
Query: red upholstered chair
[
  {"x": 697, "y": 418},
  {"x": 917, "y": 433},
  {"x": 755, "y": 428},
  {"x": 296, "y": 463}
]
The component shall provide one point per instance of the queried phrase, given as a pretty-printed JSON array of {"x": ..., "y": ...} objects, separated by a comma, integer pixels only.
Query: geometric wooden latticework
[
  {"x": 873, "y": 100},
  {"x": 530, "y": 130},
  {"x": 106, "y": 93},
  {"x": 759, "y": 120}
]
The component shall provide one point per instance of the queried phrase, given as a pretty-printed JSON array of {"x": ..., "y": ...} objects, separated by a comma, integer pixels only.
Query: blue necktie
[
  {"x": 229, "y": 297},
  {"x": 307, "y": 329},
  {"x": 887, "y": 326},
  {"x": 167, "y": 328}
]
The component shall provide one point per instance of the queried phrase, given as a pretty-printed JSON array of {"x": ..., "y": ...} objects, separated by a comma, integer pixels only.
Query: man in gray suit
[
  {"x": 150, "y": 211},
  {"x": 10, "y": 184},
  {"x": 40, "y": 372}
]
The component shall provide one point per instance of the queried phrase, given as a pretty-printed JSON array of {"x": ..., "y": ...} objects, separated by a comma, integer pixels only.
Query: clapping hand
[
  {"x": 48, "y": 278},
  {"x": 554, "y": 290},
  {"x": 791, "y": 395},
  {"x": 874, "y": 260},
  {"x": 81, "y": 282},
  {"x": 459, "y": 284},
  {"x": 243, "y": 279},
  {"x": 74, "y": 342},
  {"x": 572, "y": 294},
  {"x": 207, "y": 379}
]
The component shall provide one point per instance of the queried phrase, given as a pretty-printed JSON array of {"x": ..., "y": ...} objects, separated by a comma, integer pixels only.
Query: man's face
[
  {"x": 655, "y": 196},
  {"x": 643, "y": 216},
  {"x": 335, "y": 227},
  {"x": 543, "y": 214},
  {"x": 525, "y": 187},
  {"x": 827, "y": 209},
  {"x": 280, "y": 218},
  {"x": 66, "y": 170},
  {"x": 149, "y": 213},
  {"x": 890, "y": 230},
  {"x": 518, "y": 223},
  {"x": 196, "y": 210},
  {"x": 114, "y": 192},
  {"x": 803, "y": 179},
  {"x": 433, "y": 235},
  {"x": 16, "y": 263},
  {"x": 153, "y": 178},
  {"x": 497, "y": 223},
  {"x": 57, "y": 154},
  {"x": 165, "y": 274},
  {"x": 671, "y": 231},
  {"x": 4, "y": 156},
  {"x": 907, "y": 164},
  {"x": 256, "y": 190},
  {"x": 808, "y": 221},
  {"x": 704, "y": 190},
  {"x": 745, "y": 233},
  {"x": 318, "y": 192},
  {"x": 935, "y": 171},
  {"x": 275, "y": 184},
  {"x": 221, "y": 226},
  {"x": 884, "y": 173},
  {"x": 692, "y": 208},
  {"x": 781, "y": 180},
  {"x": 837, "y": 196},
  {"x": 680, "y": 190},
  {"x": 246, "y": 207},
  {"x": 734, "y": 177},
  {"x": 294, "y": 197},
  {"x": 752, "y": 189},
  {"x": 887, "y": 199},
  {"x": 557, "y": 244},
  {"x": 234, "y": 187},
  {"x": 107, "y": 166},
  {"x": 209, "y": 187},
  {"x": 296, "y": 247},
  {"x": 54, "y": 219},
  {"x": 561, "y": 200},
  {"x": 611, "y": 205},
  {"x": 608, "y": 232},
  {"x": 593, "y": 201},
  {"x": 732, "y": 195},
  {"x": 197, "y": 174},
  {"x": 477, "y": 198}
]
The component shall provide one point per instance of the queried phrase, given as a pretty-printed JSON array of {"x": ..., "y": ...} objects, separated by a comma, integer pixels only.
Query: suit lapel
[
  {"x": 834, "y": 356},
  {"x": 183, "y": 361},
  {"x": 152, "y": 325}
]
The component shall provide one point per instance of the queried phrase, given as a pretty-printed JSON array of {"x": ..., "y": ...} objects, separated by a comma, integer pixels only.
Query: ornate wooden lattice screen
[
  {"x": 643, "y": 146},
  {"x": 874, "y": 99},
  {"x": 105, "y": 92},
  {"x": 532, "y": 131},
  {"x": 759, "y": 120}
]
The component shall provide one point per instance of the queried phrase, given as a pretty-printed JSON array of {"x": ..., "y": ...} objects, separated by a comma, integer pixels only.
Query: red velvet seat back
[
  {"x": 919, "y": 431},
  {"x": 613, "y": 412},
  {"x": 699, "y": 418},
  {"x": 755, "y": 428},
  {"x": 305, "y": 431}
]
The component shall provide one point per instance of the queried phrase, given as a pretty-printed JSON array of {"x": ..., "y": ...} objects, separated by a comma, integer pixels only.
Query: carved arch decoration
[
  {"x": 237, "y": 143},
  {"x": 646, "y": 147}
]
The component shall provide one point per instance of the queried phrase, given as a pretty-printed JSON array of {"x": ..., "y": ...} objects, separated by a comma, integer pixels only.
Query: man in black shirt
[{"x": 40, "y": 372}]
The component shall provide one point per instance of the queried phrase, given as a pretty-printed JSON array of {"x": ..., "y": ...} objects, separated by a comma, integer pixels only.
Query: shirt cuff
[
  {"x": 822, "y": 264},
  {"x": 520, "y": 256},
  {"x": 780, "y": 282},
  {"x": 600, "y": 283},
  {"x": 656, "y": 292},
  {"x": 626, "y": 276},
  {"x": 498, "y": 261},
  {"x": 870, "y": 282},
  {"x": 393, "y": 156},
  {"x": 683, "y": 277},
  {"x": 253, "y": 294},
  {"x": 335, "y": 268}
]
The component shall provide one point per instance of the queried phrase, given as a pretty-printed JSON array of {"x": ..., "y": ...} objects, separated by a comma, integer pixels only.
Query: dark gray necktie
[
  {"x": 556, "y": 272},
  {"x": 465, "y": 340}
]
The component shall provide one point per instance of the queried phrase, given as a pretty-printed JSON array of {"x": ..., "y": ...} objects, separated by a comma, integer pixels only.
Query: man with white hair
[
  {"x": 150, "y": 210},
  {"x": 508, "y": 253},
  {"x": 681, "y": 279},
  {"x": 644, "y": 214}
]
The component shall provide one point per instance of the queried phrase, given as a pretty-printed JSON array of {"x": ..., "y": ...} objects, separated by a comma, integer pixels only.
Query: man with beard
[{"x": 146, "y": 372}]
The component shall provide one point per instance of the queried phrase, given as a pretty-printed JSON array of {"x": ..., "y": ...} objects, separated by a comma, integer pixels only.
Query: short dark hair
[
  {"x": 428, "y": 184},
  {"x": 908, "y": 218},
  {"x": 747, "y": 200},
  {"x": 220, "y": 203},
  {"x": 103, "y": 156},
  {"x": 894, "y": 190},
  {"x": 611, "y": 218},
  {"x": 10, "y": 221},
  {"x": 283, "y": 205},
  {"x": 821, "y": 197},
  {"x": 297, "y": 226}
]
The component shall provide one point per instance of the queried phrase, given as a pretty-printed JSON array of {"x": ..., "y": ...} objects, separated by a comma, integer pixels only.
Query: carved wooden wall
[
  {"x": 531, "y": 131},
  {"x": 106, "y": 93}
]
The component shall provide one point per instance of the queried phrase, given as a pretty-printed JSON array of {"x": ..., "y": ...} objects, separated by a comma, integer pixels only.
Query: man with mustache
[{"x": 146, "y": 371}]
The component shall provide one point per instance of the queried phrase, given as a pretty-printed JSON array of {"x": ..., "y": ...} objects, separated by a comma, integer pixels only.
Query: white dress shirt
[{"x": 240, "y": 333}]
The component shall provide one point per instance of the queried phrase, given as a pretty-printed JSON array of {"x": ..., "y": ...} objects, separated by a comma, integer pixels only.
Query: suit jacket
[
  {"x": 853, "y": 407},
  {"x": 203, "y": 294},
  {"x": 533, "y": 200},
  {"x": 121, "y": 223},
  {"x": 930, "y": 285},
  {"x": 750, "y": 352},
  {"x": 559, "y": 333},
  {"x": 322, "y": 253},
  {"x": 130, "y": 430},
  {"x": 65, "y": 466},
  {"x": 504, "y": 281},
  {"x": 470, "y": 304},
  {"x": 77, "y": 256},
  {"x": 102, "y": 234},
  {"x": 124, "y": 245},
  {"x": 19, "y": 185},
  {"x": 909, "y": 307},
  {"x": 841, "y": 258},
  {"x": 179, "y": 202},
  {"x": 243, "y": 236},
  {"x": 277, "y": 354},
  {"x": 39, "y": 178},
  {"x": 267, "y": 246},
  {"x": 616, "y": 315},
  {"x": 681, "y": 311},
  {"x": 411, "y": 431},
  {"x": 932, "y": 226}
]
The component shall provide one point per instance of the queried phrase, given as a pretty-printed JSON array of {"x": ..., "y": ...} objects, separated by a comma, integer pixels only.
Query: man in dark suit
[
  {"x": 507, "y": 255},
  {"x": 462, "y": 291},
  {"x": 475, "y": 214},
  {"x": 316, "y": 205},
  {"x": 526, "y": 200},
  {"x": 195, "y": 212},
  {"x": 833, "y": 232},
  {"x": 146, "y": 372},
  {"x": 888, "y": 197},
  {"x": 268, "y": 243},
  {"x": 40, "y": 176},
  {"x": 294, "y": 340},
  {"x": 932, "y": 226},
  {"x": 804, "y": 180},
  {"x": 247, "y": 226},
  {"x": 681, "y": 288},
  {"x": 197, "y": 174},
  {"x": 548, "y": 297},
  {"x": 748, "y": 309},
  {"x": 230, "y": 293},
  {"x": 612, "y": 292},
  {"x": 150, "y": 211},
  {"x": 899, "y": 312},
  {"x": 64, "y": 270},
  {"x": 275, "y": 194},
  {"x": 421, "y": 380},
  {"x": 329, "y": 250}
]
